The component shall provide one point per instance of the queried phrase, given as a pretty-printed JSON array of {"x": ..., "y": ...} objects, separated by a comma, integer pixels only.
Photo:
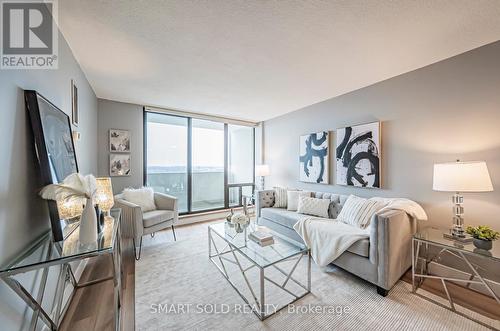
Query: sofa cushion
[
  {"x": 151, "y": 218},
  {"x": 288, "y": 219},
  {"x": 280, "y": 197},
  {"x": 282, "y": 216},
  {"x": 293, "y": 198},
  {"x": 360, "y": 247},
  {"x": 359, "y": 211},
  {"x": 337, "y": 201},
  {"x": 314, "y": 206}
]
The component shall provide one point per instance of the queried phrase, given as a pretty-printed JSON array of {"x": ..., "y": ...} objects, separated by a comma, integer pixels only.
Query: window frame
[{"x": 189, "y": 160}]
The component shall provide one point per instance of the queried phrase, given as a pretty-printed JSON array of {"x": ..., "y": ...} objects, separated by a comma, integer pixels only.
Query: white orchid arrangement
[
  {"x": 239, "y": 219},
  {"x": 73, "y": 186}
]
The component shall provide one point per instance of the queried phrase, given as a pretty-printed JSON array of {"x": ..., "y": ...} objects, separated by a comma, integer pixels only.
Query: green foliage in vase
[{"x": 483, "y": 232}]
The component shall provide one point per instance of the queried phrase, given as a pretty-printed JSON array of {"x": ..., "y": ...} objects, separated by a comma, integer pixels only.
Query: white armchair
[{"x": 165, "y": 215}]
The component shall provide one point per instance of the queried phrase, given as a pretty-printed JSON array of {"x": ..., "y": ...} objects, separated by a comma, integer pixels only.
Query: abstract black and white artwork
[
  {"x": 314, "y": 158},
  {"x": 119, "y": 164},
  {"x": 358, "y": 155},
  {"x": 119, "y": 140}
]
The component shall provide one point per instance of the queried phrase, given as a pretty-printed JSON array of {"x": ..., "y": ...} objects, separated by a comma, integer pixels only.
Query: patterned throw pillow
[
  {"x": 293, "y": 199},
  {"x": 313, "y": 206},
  {"x": 280, "y": 197},
  {"x": 359, "y": 211}
]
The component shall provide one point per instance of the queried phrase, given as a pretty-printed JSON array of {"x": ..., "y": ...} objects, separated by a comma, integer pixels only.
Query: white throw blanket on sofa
[{"x": 328, "y": 238}]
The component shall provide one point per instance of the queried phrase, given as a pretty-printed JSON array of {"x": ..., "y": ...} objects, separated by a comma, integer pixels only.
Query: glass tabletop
[
  {"x": 262, "y": 256},
  {"x": 46, "y": 251},
  {"x": 435, "y": 235}
]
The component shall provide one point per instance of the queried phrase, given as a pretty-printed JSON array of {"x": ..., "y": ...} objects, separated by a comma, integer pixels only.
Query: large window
[
  {"x": 207, "y": 165},
  {"x": 240, "y": 146},
  {"x": 167, "y": 156}
]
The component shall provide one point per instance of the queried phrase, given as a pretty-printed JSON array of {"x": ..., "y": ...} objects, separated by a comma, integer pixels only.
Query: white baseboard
[{"x": 208, "y": 216}]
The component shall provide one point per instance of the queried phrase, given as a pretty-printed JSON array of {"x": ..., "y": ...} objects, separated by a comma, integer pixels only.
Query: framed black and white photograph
[
  {"x": 358, "y": 155},
  {"x": 119, "y": 165},
  {"x": 314, "y": 157},
  {"x": 119, "y": 140},
  {"x": 74, "y": 103}
]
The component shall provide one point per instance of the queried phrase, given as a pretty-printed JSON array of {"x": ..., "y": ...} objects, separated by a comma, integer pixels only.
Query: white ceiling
[{"x": 257, "y": 59}]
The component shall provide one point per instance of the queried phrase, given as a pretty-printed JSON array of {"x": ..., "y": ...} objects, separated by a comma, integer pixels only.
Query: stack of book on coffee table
[{"x": 261, "y": 237}]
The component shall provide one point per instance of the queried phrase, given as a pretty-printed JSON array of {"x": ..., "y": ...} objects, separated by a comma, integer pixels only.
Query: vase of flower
[
  {"x": 77, "y": 186},
  {"x": 88, "y": 223},
  {"x": 483, "y": 236},
  {"x": 483, "y": 244},
  {"x": 240, "y": 222}
]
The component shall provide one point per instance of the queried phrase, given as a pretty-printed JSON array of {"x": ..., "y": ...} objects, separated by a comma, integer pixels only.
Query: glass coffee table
[{"x": 276, "y": 267}]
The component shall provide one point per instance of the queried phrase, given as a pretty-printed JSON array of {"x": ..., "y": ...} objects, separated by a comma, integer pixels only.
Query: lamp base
[{"x": 466, "y": 239}]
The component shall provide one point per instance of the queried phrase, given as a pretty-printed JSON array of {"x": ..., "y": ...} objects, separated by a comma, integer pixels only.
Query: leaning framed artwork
[
  {"x": 313, "y": 158},
  {"x": 358, "y": 155},
  {"x": 54, "y": 150},
  {"x": 119, "y": 165},
  {"x": 119, "y": 140}
]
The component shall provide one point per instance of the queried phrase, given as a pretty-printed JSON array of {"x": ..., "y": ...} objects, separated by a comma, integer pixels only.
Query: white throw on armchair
[{"x": 165, "y": 215}]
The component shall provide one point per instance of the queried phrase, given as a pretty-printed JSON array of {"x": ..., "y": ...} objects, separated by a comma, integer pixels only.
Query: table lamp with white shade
[
  {"x": 262, "y": 171},
  {"x": 461, "y": 177}
]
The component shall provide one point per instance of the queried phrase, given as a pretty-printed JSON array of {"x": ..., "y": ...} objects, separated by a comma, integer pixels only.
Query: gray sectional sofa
[{"x": 382, "y": 259}]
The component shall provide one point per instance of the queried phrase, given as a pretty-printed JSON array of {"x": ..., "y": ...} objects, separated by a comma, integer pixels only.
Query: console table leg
[
  {"x": 30, "y": 301},
  {"x": 493, "y": 294}
]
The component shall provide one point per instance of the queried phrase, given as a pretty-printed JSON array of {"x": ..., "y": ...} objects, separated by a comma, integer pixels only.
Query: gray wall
[
  {"x": 125, "y": 116},
  {"x": 23, "y": 215},
  {"x": 446, "y": 111}
]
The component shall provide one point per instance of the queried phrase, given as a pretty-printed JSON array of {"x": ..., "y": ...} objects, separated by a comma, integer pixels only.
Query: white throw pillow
[
  {"x": 293, "y": 199},
  {"x": 280, "y": 197},
  {"x": 143, "y": 197},
  {"x": 359, "y": 211},
  {"x": 313, "y": 206}
]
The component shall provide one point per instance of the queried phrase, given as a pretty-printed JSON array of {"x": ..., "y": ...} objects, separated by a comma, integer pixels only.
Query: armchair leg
[
  {"x": 173, "y": 231},
  {"x": 137, "y": 257}
]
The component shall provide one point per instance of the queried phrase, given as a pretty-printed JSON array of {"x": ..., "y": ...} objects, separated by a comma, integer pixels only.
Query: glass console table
[
  {"x": 44, "y": 253},
  {"x": 429, "y": 245}
]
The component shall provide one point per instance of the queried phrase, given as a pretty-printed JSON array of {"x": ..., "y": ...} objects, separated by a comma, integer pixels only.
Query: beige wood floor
[{"x": 92, "y": 307}]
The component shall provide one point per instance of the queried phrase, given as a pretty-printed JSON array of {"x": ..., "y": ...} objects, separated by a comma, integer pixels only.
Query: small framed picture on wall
[
  {"x": 119, "y": 165},
  {"x": 119, "y": 141},
  {"x": 74, "y": 103}
]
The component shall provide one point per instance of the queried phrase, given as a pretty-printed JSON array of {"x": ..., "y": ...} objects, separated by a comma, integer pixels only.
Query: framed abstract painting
[
  {"x": 358, "y": 155},
  {"x": 314, "y": 157}
]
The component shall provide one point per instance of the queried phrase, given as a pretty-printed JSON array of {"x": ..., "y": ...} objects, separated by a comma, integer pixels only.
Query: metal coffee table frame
[
  {"x": 418, "y": 246},
  {"x": 232, "y": 250}
]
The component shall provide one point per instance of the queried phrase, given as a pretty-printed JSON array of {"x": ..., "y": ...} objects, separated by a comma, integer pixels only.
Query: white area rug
[{"x": 194, "y": 295}]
